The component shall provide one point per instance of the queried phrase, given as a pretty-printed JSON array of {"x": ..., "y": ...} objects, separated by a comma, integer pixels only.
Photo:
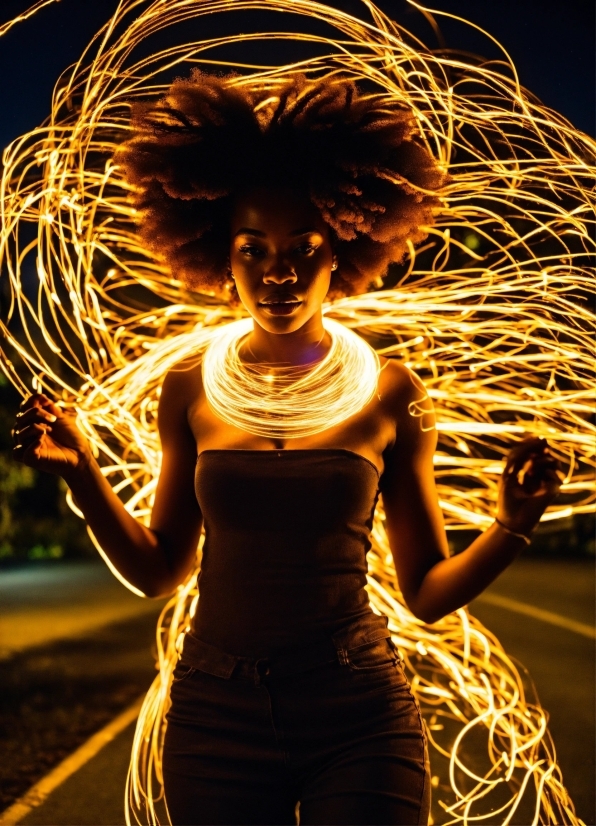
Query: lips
[
  {"x": 280, "y": 298},
  {"x": 280, "y": 303}
]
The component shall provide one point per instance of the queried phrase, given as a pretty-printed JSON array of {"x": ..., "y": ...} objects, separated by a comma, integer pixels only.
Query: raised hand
[
  {"x": 530, "y": 482},
  {"x": 47, "y": 438}
]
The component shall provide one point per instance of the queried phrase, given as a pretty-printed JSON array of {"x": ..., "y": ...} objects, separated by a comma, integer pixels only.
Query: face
[{"x": 281, "y": 257}]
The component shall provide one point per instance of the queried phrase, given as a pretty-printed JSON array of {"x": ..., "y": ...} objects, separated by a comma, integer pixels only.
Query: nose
[{"x": 280, "y": 272}]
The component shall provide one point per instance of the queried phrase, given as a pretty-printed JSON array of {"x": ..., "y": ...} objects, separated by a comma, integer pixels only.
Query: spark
[{"x": 493, "y": 312}]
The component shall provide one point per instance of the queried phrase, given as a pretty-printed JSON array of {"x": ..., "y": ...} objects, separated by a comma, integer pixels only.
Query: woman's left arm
[{"x": 432, "y": 583}]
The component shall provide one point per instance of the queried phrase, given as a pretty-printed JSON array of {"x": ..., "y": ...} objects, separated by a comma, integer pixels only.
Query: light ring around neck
[{"x": 289, "y": 402}]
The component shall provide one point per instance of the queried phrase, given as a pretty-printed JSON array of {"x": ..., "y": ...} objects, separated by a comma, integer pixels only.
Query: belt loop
[{"x": 342, "y": 656}]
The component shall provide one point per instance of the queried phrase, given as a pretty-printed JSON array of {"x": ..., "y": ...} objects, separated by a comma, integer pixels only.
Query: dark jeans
[{"x": 334, "y": 728}]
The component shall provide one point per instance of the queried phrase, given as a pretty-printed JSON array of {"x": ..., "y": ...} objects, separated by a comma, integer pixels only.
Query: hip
[{"x": 341, "y": 687}]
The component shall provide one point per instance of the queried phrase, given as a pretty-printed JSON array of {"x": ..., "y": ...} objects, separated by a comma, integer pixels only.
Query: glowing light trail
[
  {"x": 26, "y": 14},
  {"x": 289, "y": 403},
  {"x": 493, "y": 312}
]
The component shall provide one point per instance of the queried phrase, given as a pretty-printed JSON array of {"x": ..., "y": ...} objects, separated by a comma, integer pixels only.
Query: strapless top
[{"x": 286, "y": 538}]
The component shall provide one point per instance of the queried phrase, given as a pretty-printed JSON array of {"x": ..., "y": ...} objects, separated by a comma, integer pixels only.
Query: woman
[{"x": 289, "y": 690}]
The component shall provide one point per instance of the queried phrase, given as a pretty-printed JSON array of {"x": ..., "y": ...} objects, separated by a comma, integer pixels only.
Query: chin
[
  {"x": 280, "y": 321},
  {"x": 280, "y": 326}
]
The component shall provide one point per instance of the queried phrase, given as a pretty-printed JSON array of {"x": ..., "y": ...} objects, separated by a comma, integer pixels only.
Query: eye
[
  {"x": 306, "y": 248},
  {"x": 251, "y": 250}
]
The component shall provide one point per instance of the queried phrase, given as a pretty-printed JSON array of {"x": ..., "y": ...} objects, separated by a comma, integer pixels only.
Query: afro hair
[{"x": 359, "y": 158}]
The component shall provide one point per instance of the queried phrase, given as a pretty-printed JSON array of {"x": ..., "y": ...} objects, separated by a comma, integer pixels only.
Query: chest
[{"x": 368, "y": 433}]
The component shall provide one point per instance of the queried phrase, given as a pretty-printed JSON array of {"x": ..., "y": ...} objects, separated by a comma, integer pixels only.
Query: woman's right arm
[{"x": 153, "y": 559}]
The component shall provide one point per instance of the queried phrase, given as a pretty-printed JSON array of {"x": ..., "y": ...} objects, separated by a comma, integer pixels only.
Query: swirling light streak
[
  {"x": 289, "y": 403},
  {"x": 25, "y": 15},
  {"x": 492, "y": 311}
]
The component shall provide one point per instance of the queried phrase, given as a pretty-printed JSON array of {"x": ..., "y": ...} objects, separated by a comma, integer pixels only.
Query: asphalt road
[
  {"x": 75, "y": 649},
  {"x": 57, "y": 692},
  {"x": 561, "y": 663}
]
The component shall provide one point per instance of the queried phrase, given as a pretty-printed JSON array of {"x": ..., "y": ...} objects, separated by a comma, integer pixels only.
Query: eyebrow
[{"x": 257, "y": 232}]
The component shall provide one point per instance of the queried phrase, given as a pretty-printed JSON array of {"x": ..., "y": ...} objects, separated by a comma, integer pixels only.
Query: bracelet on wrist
[{"x": 523, "y": 536}]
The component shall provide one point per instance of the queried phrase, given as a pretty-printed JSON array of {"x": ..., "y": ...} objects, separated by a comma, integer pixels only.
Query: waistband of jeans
[{"x": 205, "y": 657}]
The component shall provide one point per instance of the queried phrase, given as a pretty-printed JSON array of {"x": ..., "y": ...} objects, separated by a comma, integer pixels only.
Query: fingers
[
  {"x": 29, "y": 444},
  {"x": 518, "y": 452},
  {"x": 524, "y": 451},
  {"x": 37, "y": 409},
  {"x": 30, "y": 436},
  {"x": 30, "y": 455},
  {"x": 35, "y": 399},
  {"x": 31, "y": 424},
  {"x": 40, "y": 401},
  {"x": 533, "y": 468},
  {"x": 537, "y": 473},
  {"x": 552, "y": 479},
  {"x": 540, "y": 481},
  {"x": 31, "y": 431},
  {"x": 530, "y": 482},
  {"x": 34, "y": 414},
  {"x": 34, "y": 422}
]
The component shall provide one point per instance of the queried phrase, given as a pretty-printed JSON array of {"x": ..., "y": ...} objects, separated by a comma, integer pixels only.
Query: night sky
[{"x": 551, "y": 42}]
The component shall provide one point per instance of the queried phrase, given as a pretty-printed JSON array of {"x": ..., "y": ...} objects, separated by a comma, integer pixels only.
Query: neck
[{"x": 310, "y": 343}]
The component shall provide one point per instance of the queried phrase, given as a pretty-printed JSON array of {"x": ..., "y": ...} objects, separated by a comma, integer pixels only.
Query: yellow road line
[
  {"x": 538, "y": 613},
  {"x": 38, "y": 793}
]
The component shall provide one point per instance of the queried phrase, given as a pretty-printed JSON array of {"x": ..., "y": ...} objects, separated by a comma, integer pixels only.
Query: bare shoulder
[
  {"x": 399, "y": 386},
  {"x": 406, "y": 400},
  {"x": 181, "y": 386},
  {"x": 183, "y": 380}
]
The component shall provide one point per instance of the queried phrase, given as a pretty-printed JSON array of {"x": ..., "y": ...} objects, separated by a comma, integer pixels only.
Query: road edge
[{"x": 40, "y": 791}]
